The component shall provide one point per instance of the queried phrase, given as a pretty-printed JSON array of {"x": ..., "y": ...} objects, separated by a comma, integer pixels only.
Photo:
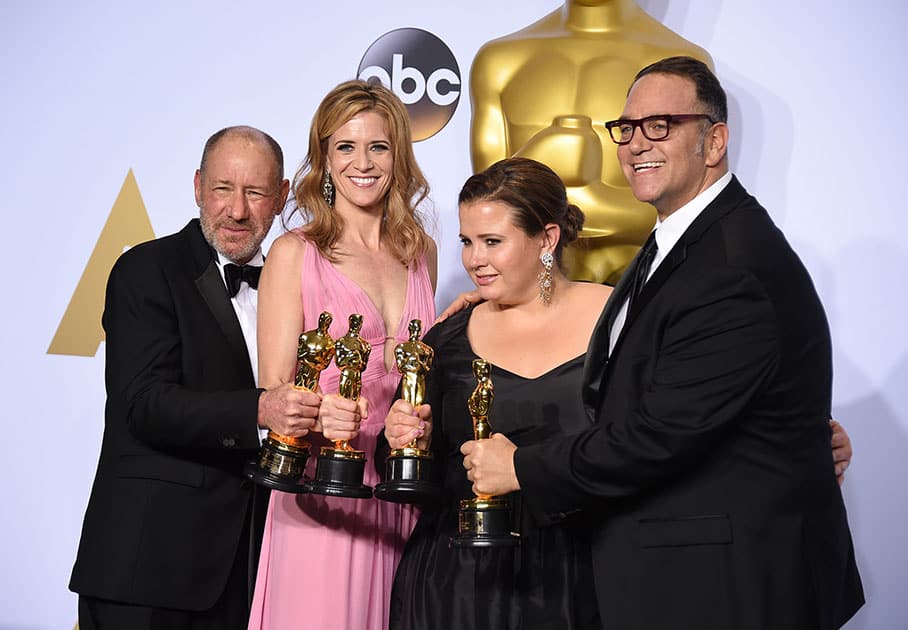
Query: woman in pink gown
[{"x": 329, "y": 562}]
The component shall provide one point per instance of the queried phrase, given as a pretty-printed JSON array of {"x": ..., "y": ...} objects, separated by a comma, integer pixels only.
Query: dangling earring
[
  {"x": 328, "y": 190},
  {"x": 545, "y": 277}
]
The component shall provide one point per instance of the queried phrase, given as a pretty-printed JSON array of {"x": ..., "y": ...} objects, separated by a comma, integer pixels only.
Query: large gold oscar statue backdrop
[{"x": 545, "y": 91}]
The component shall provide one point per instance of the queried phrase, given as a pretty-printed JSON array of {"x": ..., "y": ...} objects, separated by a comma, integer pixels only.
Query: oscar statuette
[
  {"x": 339, "y": 469},
  {"x": 282, "y": 460},
  {"x": 483, "y": 521},
  {"x": 408, "y": 477}
]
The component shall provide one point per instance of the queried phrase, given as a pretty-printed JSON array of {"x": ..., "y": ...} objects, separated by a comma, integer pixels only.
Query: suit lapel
[
  {"x": 598, "y": 363},
  {"x": 730, "y": 197},
  {"x": 210, "y": 285},
  {"x": 597, "y": 352}
]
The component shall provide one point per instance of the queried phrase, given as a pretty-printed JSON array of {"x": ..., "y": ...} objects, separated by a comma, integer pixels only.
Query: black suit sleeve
[
  {"x": 711, "y": 353},
  {"x": 152, "y": 317}
]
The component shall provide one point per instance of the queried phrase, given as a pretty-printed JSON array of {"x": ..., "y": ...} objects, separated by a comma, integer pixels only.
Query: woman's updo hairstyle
[{"x": 535, "y": 193}]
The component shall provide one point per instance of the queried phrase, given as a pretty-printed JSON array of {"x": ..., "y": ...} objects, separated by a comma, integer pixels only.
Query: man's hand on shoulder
[
  {"x": 461, "y": 302},
  {"x": 288, "y": 410}
]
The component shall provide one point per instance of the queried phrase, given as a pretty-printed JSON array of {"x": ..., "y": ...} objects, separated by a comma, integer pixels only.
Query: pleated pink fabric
[{"x": 328, "y": 563}]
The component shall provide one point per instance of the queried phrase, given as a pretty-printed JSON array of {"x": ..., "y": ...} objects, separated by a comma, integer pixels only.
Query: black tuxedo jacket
[
  {"x": 169, "y": 504},
  {"x": 707, "y": 468}
]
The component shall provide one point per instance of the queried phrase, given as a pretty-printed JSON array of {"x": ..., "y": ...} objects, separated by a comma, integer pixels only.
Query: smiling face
[
  {"x": 502, "y": 260},
  {"x": 360, "y": 161},
  {"x": 238, "y": 194},
  {"x": 671, "y": 172}
]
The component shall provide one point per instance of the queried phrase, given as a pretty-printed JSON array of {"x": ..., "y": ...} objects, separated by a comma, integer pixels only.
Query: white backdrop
[{"x": 95, "y": 88}]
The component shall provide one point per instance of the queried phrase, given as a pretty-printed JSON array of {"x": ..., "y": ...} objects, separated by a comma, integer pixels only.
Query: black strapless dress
[{"x": 547, "y": 581}]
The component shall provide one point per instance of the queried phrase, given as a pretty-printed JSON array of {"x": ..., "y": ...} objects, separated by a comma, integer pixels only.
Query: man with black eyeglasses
[{"x": 706, "y": 472}]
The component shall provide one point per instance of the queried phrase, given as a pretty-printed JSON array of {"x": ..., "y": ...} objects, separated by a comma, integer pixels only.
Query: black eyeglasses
[{"x": 654, "y": 128}]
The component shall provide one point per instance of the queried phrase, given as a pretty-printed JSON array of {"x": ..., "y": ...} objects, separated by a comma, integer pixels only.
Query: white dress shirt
[
  {"x": 668, "y": 233},
  {"x": 245, "y": 305}
]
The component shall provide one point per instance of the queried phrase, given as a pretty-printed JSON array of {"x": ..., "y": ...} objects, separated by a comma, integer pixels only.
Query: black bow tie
[{"x": 235, "y": 274}]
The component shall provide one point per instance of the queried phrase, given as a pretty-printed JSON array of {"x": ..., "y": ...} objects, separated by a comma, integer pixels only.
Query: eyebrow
[
  {"x": 351, "y": 141},
  {"x": 230, "y": 182},
  {"x": 485, "y": 235}
]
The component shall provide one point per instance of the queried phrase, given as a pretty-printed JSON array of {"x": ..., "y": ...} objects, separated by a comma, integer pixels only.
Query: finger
[
  {"x": 392, "y": 431},
  {"x": 303, "y": 396},
  {"x": 403, "y": 409},
  {"x": 301, "y": 410},
  {"x": 339, "y": 424},
  {"x": 408, "y": 437},
  {"x": 403, "y": 432},
  {"x": 339, "y": 434}
]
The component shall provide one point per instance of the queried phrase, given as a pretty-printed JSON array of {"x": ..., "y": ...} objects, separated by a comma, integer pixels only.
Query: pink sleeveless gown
[{"x": 328, "y": 563}]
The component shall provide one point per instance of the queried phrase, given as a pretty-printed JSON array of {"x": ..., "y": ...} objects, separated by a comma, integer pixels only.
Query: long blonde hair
[{"x": 402, "y": 227}]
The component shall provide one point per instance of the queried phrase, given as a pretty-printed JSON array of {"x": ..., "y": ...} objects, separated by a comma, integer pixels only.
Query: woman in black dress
[{"x": 533, "y": 327}]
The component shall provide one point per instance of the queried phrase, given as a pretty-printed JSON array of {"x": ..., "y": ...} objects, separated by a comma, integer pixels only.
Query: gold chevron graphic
[{"x": 80, "y": 332}]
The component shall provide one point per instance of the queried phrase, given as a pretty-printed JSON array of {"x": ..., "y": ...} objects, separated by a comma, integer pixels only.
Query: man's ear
[
  {"x": 282, "y": 196},
  {"x": 715, "y": 144},
  {"x": 197, "y": 185}
]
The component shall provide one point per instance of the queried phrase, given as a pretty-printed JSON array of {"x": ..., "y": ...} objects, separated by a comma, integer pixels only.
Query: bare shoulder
[
  {"x": 432, "y": 262},
  {"x": 281, "y": 276},
  {"x": 591, "y": 294},
  {"x": 288, "y": 247},
  {"x": 432, "y": 251},
  {"x": 585, "y": 308}
]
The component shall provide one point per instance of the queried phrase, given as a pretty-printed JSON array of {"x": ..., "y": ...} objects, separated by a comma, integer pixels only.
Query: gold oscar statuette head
[
  {"x": 414, "y": 359},
  {"x": 314, "y": 353},
  {"x": 351, "y": 354}
]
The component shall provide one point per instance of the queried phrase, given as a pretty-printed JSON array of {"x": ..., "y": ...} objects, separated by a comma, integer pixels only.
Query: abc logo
[{"x": 421, "y": 70}]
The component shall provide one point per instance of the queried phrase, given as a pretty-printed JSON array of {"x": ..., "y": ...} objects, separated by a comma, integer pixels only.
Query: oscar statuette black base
[
  {"x": 339, "y": 473},
  {"x": 484, "y": 522},
  {"x": 264, "y": 478},
  {"x": 280, "y": 465},
  {"x": 408, "y": 474}
]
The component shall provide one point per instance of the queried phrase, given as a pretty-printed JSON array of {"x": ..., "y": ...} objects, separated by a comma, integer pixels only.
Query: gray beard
[{"x": 241, "y": 255}]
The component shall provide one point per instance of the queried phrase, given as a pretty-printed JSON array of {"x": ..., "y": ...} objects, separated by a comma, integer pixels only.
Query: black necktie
[
  {"x": 644, "y": 262},
  {"x": 235, "y": 274}
]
